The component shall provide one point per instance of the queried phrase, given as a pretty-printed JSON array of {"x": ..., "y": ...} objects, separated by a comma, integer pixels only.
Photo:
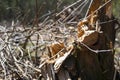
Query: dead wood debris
[{"x": 49, "y": 52}]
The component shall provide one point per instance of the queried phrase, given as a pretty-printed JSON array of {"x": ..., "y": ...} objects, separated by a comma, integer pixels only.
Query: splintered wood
[
  {"x": 85, "y": 64},
  {"x": 85, "y": 35},
  {"x": 55, "y": 48}
]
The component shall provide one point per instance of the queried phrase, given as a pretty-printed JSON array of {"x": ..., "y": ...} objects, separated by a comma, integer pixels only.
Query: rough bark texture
[
  {"x": 89, "y": 65},
  {"x": 99, "y": 66}
]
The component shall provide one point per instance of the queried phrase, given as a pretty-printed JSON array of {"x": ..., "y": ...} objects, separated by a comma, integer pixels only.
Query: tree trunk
[{"x": 98, "y": 66}]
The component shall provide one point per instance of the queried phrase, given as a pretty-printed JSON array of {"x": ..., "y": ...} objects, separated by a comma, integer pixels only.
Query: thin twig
[
  {"x": 95, "y": 51},
  {"x": 68, "y": 7},
  {"x": 89, "y": 8},
  {"x": 76, "y": 10},
  {"x": 97, "y": 10}
]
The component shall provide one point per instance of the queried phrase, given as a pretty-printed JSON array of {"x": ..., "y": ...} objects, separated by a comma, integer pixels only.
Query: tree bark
[{"x": 99, "y": 66}]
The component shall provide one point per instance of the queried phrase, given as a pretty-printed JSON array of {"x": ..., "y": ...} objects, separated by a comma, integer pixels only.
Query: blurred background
[{"x": 17, "y": 9}]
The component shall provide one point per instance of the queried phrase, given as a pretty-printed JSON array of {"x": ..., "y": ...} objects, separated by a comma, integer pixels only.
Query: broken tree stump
[
  {"x": 100, "y": 65},
  {"x": 92, "y": 53}
]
